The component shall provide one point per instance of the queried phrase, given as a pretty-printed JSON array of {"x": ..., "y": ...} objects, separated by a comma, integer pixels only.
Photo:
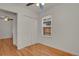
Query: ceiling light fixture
[
  {"x": 37, "y": 4},
  {"x": 43, "y": 3},
  {"x": 7, "y": 18}
]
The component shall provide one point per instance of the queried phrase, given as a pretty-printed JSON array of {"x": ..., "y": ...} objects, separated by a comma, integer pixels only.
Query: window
[{"x": 47, "y": 26}]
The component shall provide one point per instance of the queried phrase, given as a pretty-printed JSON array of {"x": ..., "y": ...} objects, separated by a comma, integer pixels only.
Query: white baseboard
[{"x": 52, "y": 46}]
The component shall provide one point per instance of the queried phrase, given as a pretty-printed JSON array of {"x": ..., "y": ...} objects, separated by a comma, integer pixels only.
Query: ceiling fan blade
[{"x": 29, "y": 4}]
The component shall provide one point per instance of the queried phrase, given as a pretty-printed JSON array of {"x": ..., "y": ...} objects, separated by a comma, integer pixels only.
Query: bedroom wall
[
  {"x": 65, "y": 28},
  {"x": 28, "y": 31}
]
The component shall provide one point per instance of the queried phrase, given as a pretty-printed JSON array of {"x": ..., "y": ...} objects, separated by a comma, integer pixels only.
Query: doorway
[{"x": 8, "y": 29}]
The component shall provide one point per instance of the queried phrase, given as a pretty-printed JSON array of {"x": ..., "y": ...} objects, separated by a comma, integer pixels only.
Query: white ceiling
[
  {"x": 33, "y": 7},
  {"x": 47, "y": 6},
  {"x": 36, "y": 9}
]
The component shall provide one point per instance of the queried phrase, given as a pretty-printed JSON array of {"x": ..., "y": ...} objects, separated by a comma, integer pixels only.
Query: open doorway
[{"x": 8, "y": 29}]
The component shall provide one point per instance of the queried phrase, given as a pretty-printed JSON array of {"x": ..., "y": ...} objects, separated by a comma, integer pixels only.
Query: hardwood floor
[{"x": 7, "y": 49}]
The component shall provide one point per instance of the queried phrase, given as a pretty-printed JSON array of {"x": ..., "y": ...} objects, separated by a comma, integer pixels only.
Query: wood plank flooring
[{"x": 7, "y": 49}]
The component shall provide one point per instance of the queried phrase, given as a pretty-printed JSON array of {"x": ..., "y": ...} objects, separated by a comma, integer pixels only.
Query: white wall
[
  {"x": 27, "y": 32},
  {"x": 65, "y": 28},
  {"x": 23, "y": 39}
]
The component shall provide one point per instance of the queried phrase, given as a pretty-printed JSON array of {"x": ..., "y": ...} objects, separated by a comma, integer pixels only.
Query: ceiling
[
  {"x": 47, "y": 6},
  {"x": 36, "y": 9},
  {"x": 33, "y": 7}
]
